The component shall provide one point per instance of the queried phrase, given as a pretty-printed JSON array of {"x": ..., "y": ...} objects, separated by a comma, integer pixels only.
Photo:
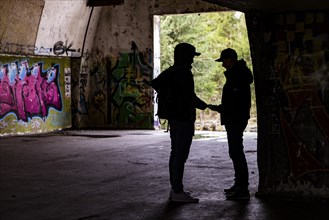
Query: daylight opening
[{"x": 210, "y": 33}]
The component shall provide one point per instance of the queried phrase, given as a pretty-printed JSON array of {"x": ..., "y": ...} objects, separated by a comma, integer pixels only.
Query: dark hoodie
[
  {"x": 180, "y": 96},
  {"x": 236, "y": 97}
]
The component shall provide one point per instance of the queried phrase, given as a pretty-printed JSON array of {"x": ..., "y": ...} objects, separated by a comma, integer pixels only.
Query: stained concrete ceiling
[
  {"x": 104, "y": 2},
  {"x": 273, "y": 6}
]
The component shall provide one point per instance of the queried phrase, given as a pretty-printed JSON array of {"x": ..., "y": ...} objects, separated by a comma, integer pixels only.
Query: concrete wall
[
  {"x": 110, "y": 51},
  {"x": 121, "y": 96},
  {"x": 290, "y": 55},
  {"x": 39, "y": 38}
]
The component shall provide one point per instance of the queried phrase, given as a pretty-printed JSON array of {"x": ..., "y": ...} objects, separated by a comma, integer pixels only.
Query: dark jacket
[
  {"x": 236, "y": 97},
  {"x": 182, "y": 100}
]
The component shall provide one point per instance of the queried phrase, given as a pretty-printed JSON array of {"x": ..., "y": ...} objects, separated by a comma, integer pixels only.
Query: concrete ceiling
[
  {"x": 104, "y": 2},
  {"x": 273, "y": 6}
]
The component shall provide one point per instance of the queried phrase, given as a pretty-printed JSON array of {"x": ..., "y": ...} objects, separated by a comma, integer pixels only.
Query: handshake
[{"x": 216, "y": 108}]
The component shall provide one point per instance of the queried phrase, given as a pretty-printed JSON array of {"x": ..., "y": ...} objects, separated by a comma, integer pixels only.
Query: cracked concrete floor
[{"x": 124, "y": 175}]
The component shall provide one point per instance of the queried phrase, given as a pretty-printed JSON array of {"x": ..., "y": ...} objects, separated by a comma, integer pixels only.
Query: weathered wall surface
[
  {"x": 42, "y": 43},
  {"x": 120, "y": 95},
  {"x": 19, "y": 21},
  {"x": 82, "y": 71},
  {"x": 62, "y": 28},
  {"x": 290, "y": 58},
  {"x": 110, "y": 71}
]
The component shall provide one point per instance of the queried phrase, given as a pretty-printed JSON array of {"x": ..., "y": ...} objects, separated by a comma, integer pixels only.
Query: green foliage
[{"x": 210, "y": 33}]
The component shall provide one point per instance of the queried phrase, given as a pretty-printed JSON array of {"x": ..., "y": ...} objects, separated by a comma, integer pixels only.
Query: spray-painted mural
[
  {"x": 60, "y": 48},
  {"x": 301, "y": 93},
  {"x": 121, "y": 96},
  {"x": 29, "y": 90},
  {"x": 130, "y": 97}
]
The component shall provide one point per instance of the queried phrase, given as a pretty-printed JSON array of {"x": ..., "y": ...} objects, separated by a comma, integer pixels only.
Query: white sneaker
[{"x": 183, "y": 197}]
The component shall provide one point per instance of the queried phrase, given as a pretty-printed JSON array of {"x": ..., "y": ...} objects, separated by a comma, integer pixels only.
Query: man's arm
[
  {"x": 198, "y": 103},
  {"x": 217, "y": 108}
]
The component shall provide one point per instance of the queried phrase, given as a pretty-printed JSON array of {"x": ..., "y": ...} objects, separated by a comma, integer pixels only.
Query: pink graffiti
[{"x": 28, "y": 91}]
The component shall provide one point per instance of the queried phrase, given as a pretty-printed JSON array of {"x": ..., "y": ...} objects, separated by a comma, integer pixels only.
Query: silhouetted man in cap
[
  {"x": 181, "y": 116},
  {"x": 235, "y": 113}
]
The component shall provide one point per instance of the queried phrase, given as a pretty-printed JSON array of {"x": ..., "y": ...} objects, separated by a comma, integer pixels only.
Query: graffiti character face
[
  {"x": 12, "y": 72},
  {"x": 35, "y": 70},
  {"x": 99, "y": 98},
  {"x": 23, "y": 70},
  {"x": 51, "y": 74},
  {"x": 2, "y": 72}
]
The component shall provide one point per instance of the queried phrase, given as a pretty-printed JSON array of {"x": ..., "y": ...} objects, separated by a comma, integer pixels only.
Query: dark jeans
[
  {"x": 181, "y": 134},
  {"x": 235, "y": 145}
]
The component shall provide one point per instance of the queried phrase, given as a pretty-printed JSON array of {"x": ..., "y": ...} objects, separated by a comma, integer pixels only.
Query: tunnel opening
[{"x": 210, "y": 32}]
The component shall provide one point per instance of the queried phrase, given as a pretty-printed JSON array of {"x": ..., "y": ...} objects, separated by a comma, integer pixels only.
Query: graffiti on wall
[
  {"x": 83, "y": 80},
  {"x": 67, "y": 80},
  {"x": 98, "y": 75},
  {"x": 28, "y": 91},
  {"x": 302, "y": 93},
  {"x": 120, "y": 91},
  {"x": 114, "y": 90},
  {"x": 131, "y": 96},
  {"x": 59, "y": 48}
]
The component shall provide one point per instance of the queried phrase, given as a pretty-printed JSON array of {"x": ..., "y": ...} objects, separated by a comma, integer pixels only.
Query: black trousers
[
  {"x": 181, "y": 134},
  {"x": 235, "y": 145}
]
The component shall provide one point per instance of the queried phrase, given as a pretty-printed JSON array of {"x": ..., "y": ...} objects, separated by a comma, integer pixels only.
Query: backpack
[{"x": 164, "y": 99}]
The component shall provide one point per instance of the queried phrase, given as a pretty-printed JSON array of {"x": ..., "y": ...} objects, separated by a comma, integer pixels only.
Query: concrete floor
[{"x": 124, "y": 175}]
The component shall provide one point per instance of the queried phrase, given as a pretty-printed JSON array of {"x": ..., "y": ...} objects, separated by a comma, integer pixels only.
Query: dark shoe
[
  {"x": 239, "y": 195},
  {"x": 231, "y": 190},
  {"x": 172, "y": 192},
  {"x": 182, "y": 197}
]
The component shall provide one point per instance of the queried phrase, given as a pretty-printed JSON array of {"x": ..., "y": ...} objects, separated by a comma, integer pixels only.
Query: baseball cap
[
  {"x": 185, "y": 48},
  {"x": 227, "y": 53}
]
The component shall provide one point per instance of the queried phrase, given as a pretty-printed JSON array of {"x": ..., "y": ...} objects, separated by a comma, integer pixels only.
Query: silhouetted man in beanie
[{"x": 235, "y": 113}]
